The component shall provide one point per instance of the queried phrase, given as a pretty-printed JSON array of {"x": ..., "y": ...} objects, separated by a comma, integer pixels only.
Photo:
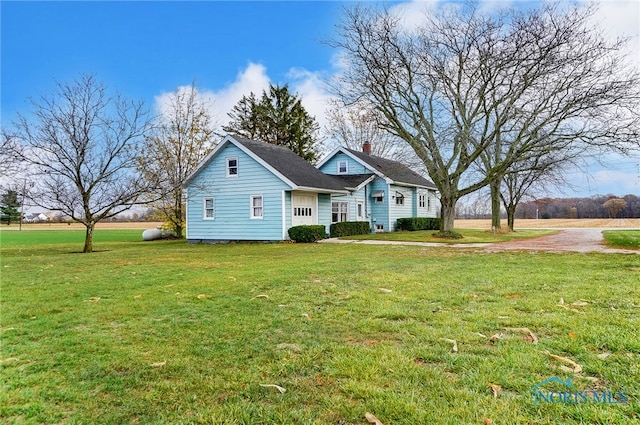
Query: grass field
[
  {"x": 166, "y": 332},
  {"x": 623, "y": 238}
]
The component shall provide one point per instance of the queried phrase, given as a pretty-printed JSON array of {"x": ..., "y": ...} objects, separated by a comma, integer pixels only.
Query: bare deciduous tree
[
  {"x": 82, "y": 146},
  {"x": 531, "y": 175},
  {"x": 465, "y": 88},
  {"x": 353, "y": 125},
  {"x": 10, "y": 158},
  {"x": 183, "y": 135}
]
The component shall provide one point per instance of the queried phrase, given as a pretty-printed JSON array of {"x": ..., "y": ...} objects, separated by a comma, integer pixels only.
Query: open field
[
  {"x": 554, "y": 223},
  {"x": 75, "y": 226},
  {"x": 167, "y": 332}
]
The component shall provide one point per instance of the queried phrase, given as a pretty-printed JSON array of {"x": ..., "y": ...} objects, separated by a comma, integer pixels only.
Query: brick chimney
[{"x": 366, "y": 148}]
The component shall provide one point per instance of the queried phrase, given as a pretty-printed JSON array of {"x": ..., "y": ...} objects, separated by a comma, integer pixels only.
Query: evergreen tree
[
  {"x": 9, "y": 207},
  {"x": 279, "y": 118}
]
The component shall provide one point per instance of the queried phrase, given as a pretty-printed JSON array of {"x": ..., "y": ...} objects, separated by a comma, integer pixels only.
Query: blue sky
[{"x": 147, "y": 49}]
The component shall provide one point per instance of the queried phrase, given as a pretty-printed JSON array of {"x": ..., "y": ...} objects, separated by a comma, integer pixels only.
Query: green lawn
[
  {"x": 468, "y": 236},
  {"x": 170, "y": 333},
  {"x": 622, "y": 238}
]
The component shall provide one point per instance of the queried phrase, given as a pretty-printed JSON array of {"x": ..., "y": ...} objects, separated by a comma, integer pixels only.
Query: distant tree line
[{"x": 598, "y": 206}]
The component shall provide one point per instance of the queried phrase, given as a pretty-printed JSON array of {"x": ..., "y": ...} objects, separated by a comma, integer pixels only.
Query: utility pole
[{"x": 24, "y": 188}]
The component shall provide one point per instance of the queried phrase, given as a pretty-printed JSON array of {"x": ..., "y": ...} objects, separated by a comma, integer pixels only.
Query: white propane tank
[{"x": 152, "y": 234}]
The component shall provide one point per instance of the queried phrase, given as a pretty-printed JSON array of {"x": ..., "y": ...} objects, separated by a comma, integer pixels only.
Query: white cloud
[
  {"x": 308, "y": 85},
  {"x": 251, "y": 79},
  {"x": 313, "y": 91},
  {"x": 616, "y": 181},
  {"x": 254, "y": 79},
  {"x": 620, "y": 18},
  {"x": 613, "y": 174},
  {"x": 412, "y": 13}
]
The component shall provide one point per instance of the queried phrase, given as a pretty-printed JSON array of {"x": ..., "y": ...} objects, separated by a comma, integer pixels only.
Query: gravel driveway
[{"x": 568, "y": 240}]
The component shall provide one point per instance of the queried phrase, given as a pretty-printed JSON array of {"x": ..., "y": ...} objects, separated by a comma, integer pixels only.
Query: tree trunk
[
  {"x": 495, "y": 202},
  {"x": 88, "y": 238},
  {"x": 511, "y": 216},
  {"x": 175, "y": 215},
  {"x": 447, "y": 214}
]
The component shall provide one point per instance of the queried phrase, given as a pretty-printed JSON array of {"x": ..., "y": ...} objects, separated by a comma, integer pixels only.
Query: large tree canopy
[
  {"x": 470, "y": 91},
  {"x": 82, "y": 145},
  {"x": 353, "y": 125},
  {"x": 278, "y": 117}
]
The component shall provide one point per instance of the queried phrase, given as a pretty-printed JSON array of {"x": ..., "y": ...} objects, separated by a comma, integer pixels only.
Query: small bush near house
[
  {"x": 307, "y": 233},
  {"x": 418, "y": 223},
  {"x": 348, "y": 228}
]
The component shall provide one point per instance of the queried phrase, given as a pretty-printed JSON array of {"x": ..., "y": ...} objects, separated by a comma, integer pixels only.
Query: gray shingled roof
[
  {"x": 352, "y": 180},
  {"x": 290, "y": 165},
  {"x": 394, "y": 170}
]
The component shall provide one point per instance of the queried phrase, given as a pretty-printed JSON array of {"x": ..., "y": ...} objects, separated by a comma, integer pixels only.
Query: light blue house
[
  {"x": 380, "y": 190},
  {"x": 250, "y": 190}
]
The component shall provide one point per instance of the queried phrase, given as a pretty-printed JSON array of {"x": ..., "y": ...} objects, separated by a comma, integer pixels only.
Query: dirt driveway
[{"x": 568, "y": 240}]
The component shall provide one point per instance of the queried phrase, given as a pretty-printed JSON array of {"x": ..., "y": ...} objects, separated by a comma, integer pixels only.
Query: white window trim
[
  {"x": 251, "y": 207},
  {"x": 339, "y": 211},
  {"x": 346, "y": 166},
  {"x": 204, "y": 208},
  {"x": 359, "y": 204},
  {"x": 232, "y": 158}
]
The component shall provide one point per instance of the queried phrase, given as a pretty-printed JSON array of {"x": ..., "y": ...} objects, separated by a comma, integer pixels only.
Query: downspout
[
  {"x": 185, "y": 196},
  {"x": 284, "y": 216},
  {"x": 389, "y": 228}
]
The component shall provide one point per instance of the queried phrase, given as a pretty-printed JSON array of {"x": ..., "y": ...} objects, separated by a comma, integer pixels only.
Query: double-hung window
[
  {"x": 399, "y": 198},
  {"x": 209, "y": 208},
  {"x": 339, "y": 212},
  {"x": 342, "y": 167},
  {"x": 232, "y": 167},
  {"x": 422, "y": 200},
  {"x": 256, "y": 207}
]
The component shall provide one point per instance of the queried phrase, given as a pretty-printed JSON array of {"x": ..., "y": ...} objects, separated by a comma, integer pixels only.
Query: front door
[{"x": 304, "y": 209}]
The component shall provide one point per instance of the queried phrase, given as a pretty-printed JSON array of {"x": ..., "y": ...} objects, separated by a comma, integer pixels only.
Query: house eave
[
  {"x": 319, "y": 190},
  {"x": 412, "y": 185}
]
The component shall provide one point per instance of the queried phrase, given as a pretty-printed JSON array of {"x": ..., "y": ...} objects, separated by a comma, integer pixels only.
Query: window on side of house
[
  {"x": 378, "y": 196},
  {"x": 342, "y": 167},
  {"x": 232, "y": 167},
  {"x": 209, "y": 208},
  {"x": 360, "y": 210},
  {"x": 422, "y": 200},
  {"x": 339, "y": 211},
  {"x": 257, "y": 207},
  {"x": 399, "y": 198},
  {"x": 428, "y": 203}
]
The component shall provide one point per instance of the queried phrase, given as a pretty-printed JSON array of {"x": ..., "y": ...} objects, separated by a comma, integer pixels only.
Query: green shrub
[
  {"x": 348, "y": 228},
  {"x": 307, "y": 233},
  {"x": 418, "y": 223}
]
